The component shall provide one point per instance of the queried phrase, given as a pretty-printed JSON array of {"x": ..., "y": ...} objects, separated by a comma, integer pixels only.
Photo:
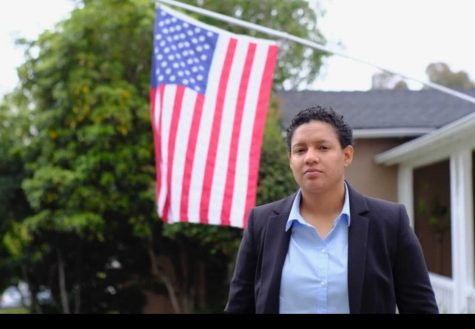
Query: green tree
[
  {"x": 442, "y": 74},
  {"x": 13, "y": 203},
  {"x": 90, "y": 159},
  {"x": 275, "y": 176},
  {"x": 92, "y": 233},
  {"x": 386, "y": 80}
]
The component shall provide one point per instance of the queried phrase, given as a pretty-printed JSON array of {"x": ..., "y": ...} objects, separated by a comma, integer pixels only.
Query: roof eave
[
  {"x": 390, "y": 132},
  {"x": 412, "y": 148}
]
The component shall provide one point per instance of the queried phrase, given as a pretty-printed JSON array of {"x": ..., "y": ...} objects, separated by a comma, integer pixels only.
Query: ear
[
  {"x": 348, "y": 154},
  {"x": 288, "y": 157}
]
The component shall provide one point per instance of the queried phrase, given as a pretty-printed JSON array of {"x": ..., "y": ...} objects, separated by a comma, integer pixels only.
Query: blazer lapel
[
  {"x": 357, "y": 244},
  {"x": 277, "y": 242}
]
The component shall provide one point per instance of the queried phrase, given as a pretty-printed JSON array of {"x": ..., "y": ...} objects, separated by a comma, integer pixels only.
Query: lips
[{"x": 313, "y": 171}]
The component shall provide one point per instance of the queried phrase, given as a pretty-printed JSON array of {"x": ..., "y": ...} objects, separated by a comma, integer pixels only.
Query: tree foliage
[
  {"x": 77, "y": 166},
  {"x": 13, "y": 203},
  {"x": 275, "y": 176},
  {"x": 386, "y": 80},
  {"x": 442, "y": 74},
  {"x": 89, "y": 159}
]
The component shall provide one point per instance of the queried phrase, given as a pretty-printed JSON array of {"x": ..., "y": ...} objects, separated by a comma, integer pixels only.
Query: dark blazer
[{"x": 386, "y": 266}]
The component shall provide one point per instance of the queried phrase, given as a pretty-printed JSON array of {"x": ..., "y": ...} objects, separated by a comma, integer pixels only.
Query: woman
[{"x": 327, "y": 248}]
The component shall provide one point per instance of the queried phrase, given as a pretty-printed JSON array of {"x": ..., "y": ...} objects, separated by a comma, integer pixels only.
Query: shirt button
[
  {"x": 324, "y": 251},
  {"x": 323, "y": 283}
]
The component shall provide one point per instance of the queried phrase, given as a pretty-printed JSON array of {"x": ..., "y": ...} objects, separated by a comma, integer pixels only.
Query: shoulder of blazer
[
  {"x": 381, "y": 213},
  {"x": 380, "y": 206},
  {"x": 362, "y": 204},
  {"x": 261, "y": 215}
]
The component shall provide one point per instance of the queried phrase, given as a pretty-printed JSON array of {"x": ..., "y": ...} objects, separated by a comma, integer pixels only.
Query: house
[{"x": 417, "y": 148}]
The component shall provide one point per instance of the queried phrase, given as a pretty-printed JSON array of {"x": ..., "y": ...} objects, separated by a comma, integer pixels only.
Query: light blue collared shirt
[{"x": 315, "y": 272}]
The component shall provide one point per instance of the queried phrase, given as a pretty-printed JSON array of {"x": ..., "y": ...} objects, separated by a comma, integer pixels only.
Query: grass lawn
[{"x": 16, "y": 310}]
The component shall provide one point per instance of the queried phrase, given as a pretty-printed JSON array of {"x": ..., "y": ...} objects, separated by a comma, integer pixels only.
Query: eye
[
  {"x": 324, "y": 147},
  {"x": 298, "y": 150}
]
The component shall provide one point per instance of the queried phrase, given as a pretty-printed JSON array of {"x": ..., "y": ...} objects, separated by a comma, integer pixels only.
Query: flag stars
[{"x": 182, "y": 52}]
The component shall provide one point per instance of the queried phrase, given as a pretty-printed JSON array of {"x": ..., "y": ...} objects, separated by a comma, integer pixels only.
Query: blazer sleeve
[
  {"x": 241, "y": 291},
  {"x": 414, "y": 292}
]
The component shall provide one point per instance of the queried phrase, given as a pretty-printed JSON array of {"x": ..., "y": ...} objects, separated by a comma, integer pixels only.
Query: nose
[{"x": 311, "y": 156}]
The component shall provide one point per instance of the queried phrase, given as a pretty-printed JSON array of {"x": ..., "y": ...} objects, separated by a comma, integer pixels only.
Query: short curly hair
[{"x": 323, "y": 114}]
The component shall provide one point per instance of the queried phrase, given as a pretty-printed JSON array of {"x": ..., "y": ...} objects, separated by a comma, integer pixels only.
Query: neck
[{"x": 329, "y": 202}]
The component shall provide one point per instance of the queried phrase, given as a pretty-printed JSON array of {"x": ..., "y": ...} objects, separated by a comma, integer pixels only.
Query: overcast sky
[{"x": 402, "y": 35}]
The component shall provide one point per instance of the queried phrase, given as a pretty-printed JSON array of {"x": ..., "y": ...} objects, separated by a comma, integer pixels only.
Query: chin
[{"x": 313, "y": 188}]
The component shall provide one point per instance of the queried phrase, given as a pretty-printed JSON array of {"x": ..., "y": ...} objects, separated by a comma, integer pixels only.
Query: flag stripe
[
  {"x": 246, "y": 137},
  {"x": 180, "y": 152},
  {"x": 171, "y": 146},
  {"x": 153, "y": 112},
  {"x": 258, "y": 130},
  {"x": 160, "y": 149},
  {"x": 205, "y": 129},
  {"x": 236, "y": 129},
  {"x": 211, "y": 157},
  {"x": 190, "y": 157},
  {"x": 225, "y": 137}
]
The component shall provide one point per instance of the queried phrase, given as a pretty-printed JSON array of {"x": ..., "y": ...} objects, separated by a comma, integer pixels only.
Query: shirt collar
[{"x": 295, "y": 215}]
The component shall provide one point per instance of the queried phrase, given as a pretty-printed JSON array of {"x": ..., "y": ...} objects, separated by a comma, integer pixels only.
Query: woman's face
[{"x": 316, "y": 158}]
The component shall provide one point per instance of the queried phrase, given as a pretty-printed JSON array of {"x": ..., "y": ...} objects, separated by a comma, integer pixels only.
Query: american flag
[{"x": 209, "y": 96}]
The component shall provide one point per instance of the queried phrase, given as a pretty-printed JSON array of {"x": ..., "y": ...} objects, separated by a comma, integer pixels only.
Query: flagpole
[{"x": 312, "y": 44}]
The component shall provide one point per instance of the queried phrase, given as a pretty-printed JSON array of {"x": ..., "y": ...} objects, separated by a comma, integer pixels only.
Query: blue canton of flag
[{"x": 183, "y": 53}]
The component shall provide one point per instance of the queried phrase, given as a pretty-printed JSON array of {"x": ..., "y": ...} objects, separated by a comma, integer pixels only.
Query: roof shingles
[{"x": 376, "y": 109}]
